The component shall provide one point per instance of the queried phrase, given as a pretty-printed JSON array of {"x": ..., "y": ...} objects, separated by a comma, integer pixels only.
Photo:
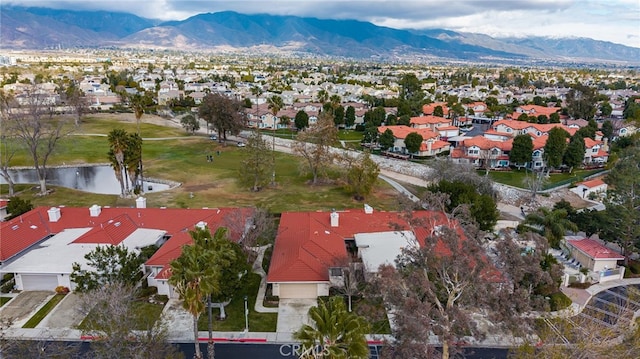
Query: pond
[{"x": 94, "y": 179}]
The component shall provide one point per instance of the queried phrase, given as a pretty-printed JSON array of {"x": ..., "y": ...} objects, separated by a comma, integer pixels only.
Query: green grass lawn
[
  {"x": 350, "y": 135},
  {"x": 235, "y": 322},
  {"x": 40, "y": 314},
  {"x": 213, "y": 184},
  {"x": 4, "y": 300},
  {"x": 516, "y": 177}
]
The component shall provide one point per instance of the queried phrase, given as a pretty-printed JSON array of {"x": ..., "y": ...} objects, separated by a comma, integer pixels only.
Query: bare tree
[
  {"x": 254, "y": 227},
  {"x": 118, "y": 330},
  {"x": 597, "y": 334},
  {"x": 34, "y": 124},
  {"x": 348, "y": 276},
  {"x": 314, "y": 145},
  {"x": 9, "y": 143},
  {"x": 535, "y": 182},
  {"x": 77, "y": 100}
]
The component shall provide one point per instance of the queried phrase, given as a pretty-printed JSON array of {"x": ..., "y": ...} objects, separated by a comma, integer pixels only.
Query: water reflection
[{"x": 94, "y": 179}]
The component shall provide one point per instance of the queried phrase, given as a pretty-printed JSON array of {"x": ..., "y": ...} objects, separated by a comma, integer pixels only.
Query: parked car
[
  {"x": 241, "y": 144},
  {"x": 213, "y": 137}
]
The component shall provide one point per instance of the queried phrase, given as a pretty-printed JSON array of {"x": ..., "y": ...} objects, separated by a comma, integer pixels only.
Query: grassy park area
[{"x": 203, "y": 184}]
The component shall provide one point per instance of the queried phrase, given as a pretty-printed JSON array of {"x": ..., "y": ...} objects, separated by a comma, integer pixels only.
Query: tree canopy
[
  {"x": 223, "y": 113},
  {"x": 522, "y": 150},
  {"x": 555, "y": 147},
  {"x": 301, "y": 120},
  {"x": 483, "y": 207},
  {"x": 413, "y": 141},
  {"x": 107, "y": 265}
]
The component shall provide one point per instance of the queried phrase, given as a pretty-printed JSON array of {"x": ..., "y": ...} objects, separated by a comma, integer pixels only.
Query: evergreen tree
[{"x": 555, "y": 147}]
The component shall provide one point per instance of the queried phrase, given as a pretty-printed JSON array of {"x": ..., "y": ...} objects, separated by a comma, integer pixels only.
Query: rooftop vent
[
  {"x": 368, "y": 209},
  {"x": 201, "y": 225}
]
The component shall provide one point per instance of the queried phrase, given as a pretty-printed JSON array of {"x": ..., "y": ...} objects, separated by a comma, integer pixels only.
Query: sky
[{"x": 616, "y": 21}]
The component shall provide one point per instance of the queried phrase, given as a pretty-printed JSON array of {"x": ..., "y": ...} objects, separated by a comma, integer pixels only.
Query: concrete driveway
[
  {"x": 66, "y": 314},
  {"x": 20, "y": 308},
  {"x": 293, "y": 313}
]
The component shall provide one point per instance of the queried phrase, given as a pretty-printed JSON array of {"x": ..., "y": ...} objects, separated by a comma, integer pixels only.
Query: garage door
[
  {"x": 298, "y": 291},
  {"x": 39, "y": 282}
]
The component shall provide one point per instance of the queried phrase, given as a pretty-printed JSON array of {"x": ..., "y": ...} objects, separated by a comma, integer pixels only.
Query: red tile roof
[
  {"x": 4, "y": 203},
  {"x": 306, "y": 244},
  {"x": 594, "y": 249},
  {"x": 429, "y": 120},
  {"x": 22, "y": 232},
  {"x": 401, "y": 131},
  {"x": 429, "y": 108},
  {"x": 589, "y": 143},
  {"x": 487, "y": 144},
  {"x": 112, "y": 225},
  {"x": 592, "y": 183}
]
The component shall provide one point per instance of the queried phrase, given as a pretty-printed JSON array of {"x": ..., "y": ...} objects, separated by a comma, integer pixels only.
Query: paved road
[{"x": 266, "y": 351}]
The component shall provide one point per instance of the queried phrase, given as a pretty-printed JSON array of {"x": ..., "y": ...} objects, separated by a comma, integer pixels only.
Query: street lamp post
[{"x": 246, "y": 314}]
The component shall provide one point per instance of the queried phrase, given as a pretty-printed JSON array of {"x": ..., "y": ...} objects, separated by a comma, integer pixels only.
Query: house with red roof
[
  {"x": 309, "y": 244},
  {"x": 40, "y": 246},
  {"x": 534, "y": 110},
  {"x": 591, "y": 254},
  {"x": 440, "y": 125},
  {"x": 477, "y": 108},
  {"x": 428, "y": 109},
  {"x": 483, "y": 152},
  {"x": 586, "y": 188},
  {"x": 431, "y": 143}
]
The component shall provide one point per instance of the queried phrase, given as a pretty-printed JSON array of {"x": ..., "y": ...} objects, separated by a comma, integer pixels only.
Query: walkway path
[{"x": 257, "y": 268}]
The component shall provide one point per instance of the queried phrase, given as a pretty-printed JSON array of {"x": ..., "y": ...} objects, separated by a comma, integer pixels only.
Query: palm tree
[
  {"x": 553, "y": 224},
  {"x": 137, "y": 103},
  {"x": 257, "y": 91},
  {"x": 275, "y": 104},
  {"x": 336, "y": 332},
  {"x": 323, "y": 96},
  {"x": 118, "y": 144},
  {"x": 197, "y": 274}
]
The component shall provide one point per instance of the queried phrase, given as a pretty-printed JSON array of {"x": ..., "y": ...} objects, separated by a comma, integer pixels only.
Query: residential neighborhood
[{"x": 321, "y": 179}]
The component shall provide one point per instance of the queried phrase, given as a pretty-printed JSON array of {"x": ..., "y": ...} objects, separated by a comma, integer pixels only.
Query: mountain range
[{"x": 41, "y": 28}]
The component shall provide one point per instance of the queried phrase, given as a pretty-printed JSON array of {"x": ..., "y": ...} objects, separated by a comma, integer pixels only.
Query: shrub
[
  {"x": 558, "y": 301},
  {"x": 62, "y": 289},
  {"x": 579, "y": 285}
]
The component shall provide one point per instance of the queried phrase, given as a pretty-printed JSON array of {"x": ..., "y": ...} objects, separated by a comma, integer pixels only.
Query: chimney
[
  {"x": 94, "y": 211},
  {"x": 54, "y": 214},
  {"x": 368, "y": 209},
  {"x": 334, "y": 218},
  {"x": 141, "y": 202}
]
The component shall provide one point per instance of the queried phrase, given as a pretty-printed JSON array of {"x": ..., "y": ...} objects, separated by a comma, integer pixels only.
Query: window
[
  {"x": 595, "y": 150},
  {"x": 335, "y": 272},
  {"x": 495, "y": 152},
  {"x": 509, "y": 130},
  {"x": 473, "y": 152}
]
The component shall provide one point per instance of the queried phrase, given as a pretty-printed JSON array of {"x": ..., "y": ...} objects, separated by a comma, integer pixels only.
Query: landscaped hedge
[{"x": 559, "y": 301}]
